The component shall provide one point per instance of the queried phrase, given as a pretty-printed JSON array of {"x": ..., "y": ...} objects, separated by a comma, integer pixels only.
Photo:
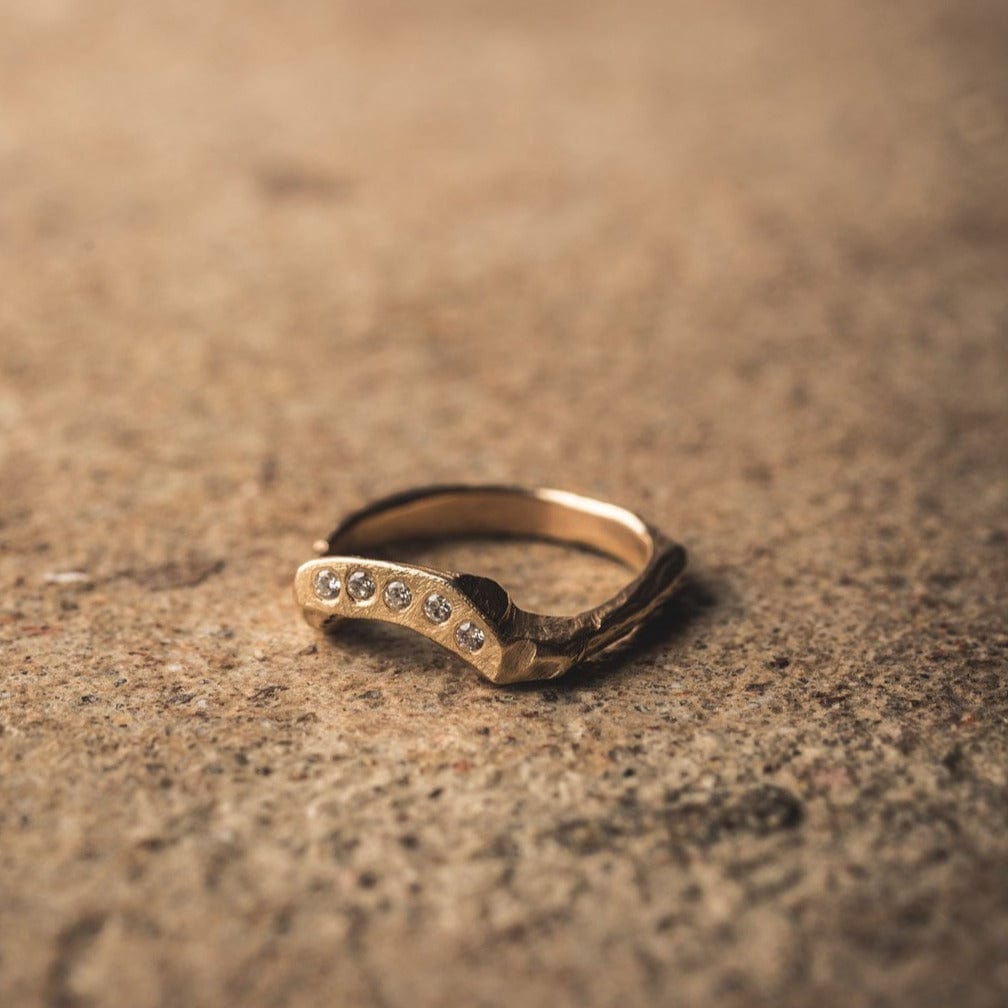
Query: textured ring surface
[{"x": 473, "y": 616}]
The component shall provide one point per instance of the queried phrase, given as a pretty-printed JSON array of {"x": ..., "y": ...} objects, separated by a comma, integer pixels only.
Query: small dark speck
[
  {"x": 629, "y": 772},
  {"x": 799, "y": 395},
  {"x": 367, "y": 880},
  {"x": 953, "y": 761},
  {"x": 264, "y": 771},
  {"x": 409, "y": 841},
  {"x": 758, "y": 473},
  {"x": 291, "y": 182},
  {"x": 436, "y": 793},
  {"x": 779, "y": 661},
  {"x": 268, "y": 471},
  {"x": 761, "y": 811},
  {"x": 282, "y": 922},
  {"x": 266, "y": 693},
  {"x": 89, "y": 698}
]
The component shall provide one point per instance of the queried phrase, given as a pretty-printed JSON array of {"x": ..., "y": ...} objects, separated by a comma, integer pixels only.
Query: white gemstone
[
  {"x": 437, "y": 608},
  {"x": 397, "y": 595},
  {"x": 327, "y": 584},
  {"x": 469, "y": 637},
  {"x": 360, "y": 586}
]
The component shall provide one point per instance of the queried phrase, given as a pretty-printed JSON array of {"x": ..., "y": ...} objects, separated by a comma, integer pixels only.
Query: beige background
[{"x": 740, "y": 266}]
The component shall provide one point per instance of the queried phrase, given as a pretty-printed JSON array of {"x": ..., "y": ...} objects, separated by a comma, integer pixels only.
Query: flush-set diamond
[
  {"x": 397, "y": 595},
  {"x": 360, "y": 586},
  {"x": 327, "y": 584},
  {"x": 437, "y": 608},
  {"x": 469, "y": 637}
]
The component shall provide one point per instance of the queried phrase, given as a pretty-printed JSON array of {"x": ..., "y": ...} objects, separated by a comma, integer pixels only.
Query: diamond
[
  {"x": 397, "y": 595},
  {"x": 326, "y": 584},
  {"x": 360, "y": 586},
  {"x": 469, "y": 637},
  {"x": 437, "y": 608}
]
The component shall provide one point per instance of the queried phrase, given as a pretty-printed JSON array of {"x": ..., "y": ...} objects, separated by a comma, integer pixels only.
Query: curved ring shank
[{"x": 522, "y": 645}]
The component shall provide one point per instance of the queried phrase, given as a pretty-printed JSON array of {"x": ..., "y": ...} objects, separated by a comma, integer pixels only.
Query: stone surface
[{"x": 738, "y": 266}]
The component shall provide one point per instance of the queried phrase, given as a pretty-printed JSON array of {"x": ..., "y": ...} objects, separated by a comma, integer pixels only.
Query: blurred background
[
  {"x": 740, "y": 266},
  {"x": 379, "y": 243}
]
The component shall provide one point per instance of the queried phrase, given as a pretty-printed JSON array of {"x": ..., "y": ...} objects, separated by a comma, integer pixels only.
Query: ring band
[{"x": 474, "y": 616}]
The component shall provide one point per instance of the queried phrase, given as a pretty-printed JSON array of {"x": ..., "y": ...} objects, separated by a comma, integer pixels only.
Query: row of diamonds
[{"x": 398, "y": 597}]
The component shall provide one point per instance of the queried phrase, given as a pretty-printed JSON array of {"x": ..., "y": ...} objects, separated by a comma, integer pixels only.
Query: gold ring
[{"x": 474, "y": 616}]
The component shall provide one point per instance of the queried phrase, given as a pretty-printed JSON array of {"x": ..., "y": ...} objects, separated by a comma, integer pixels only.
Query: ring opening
[{"x": 450, "y": 512}]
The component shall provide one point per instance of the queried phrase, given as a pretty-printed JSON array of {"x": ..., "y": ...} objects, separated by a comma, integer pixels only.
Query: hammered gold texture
[{"x": 739, "y": 267}]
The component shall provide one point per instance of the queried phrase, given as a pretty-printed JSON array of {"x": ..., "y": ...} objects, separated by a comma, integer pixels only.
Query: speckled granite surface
[{"x": 742, "y": 267}]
